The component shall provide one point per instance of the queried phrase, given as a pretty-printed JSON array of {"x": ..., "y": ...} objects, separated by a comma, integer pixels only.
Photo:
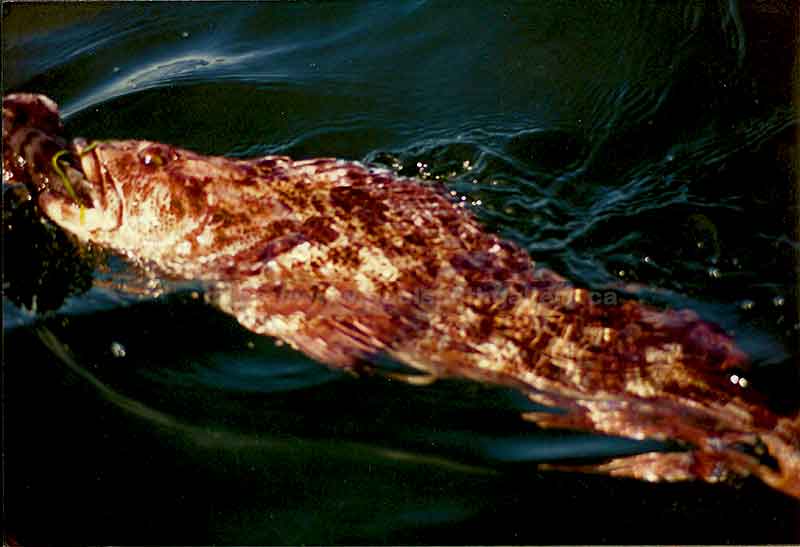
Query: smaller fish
[{"x": 346, "y": 262}]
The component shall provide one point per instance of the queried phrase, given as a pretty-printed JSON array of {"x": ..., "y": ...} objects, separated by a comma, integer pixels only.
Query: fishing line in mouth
[{"x": 58, "y": 167}]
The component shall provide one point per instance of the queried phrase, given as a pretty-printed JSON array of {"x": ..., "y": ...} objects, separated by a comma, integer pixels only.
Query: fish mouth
[
  {"x": 79, "y": 197},
  {"x": 93, "y": 180}
]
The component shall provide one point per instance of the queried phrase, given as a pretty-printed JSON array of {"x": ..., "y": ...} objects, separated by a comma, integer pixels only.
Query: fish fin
[
  {"x": 650, "y": 466},
  {"x": 568, "y": 420},
  {"x": 412, "y": 379},
  {"x": 338, "y": 344},
  {"x": 342, "y": 333}
]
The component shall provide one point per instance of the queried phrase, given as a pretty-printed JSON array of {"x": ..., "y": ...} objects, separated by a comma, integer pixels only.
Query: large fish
[{"x": 346, "y": 262}]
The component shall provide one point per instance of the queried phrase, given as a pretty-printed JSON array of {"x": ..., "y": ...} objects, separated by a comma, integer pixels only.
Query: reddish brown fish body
[{"x": 345, "y": 262}]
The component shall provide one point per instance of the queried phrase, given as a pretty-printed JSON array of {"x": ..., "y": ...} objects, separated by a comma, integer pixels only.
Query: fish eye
[
  {"x": 152, "y": 159},
  {"x": 155, "y": 156}
]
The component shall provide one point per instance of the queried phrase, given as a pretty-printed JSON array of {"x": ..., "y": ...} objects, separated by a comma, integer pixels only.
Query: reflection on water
[{"x": 647, "y": 149}]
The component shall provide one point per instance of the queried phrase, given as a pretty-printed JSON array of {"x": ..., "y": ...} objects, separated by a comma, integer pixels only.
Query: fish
[{"x": 349, "y": 263}]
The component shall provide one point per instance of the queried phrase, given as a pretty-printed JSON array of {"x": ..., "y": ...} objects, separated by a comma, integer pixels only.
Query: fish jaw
[
  {"x": 83, "y": 222},
  {"x": 95, "y": 212},
  {"x": 36, "y": 155}
]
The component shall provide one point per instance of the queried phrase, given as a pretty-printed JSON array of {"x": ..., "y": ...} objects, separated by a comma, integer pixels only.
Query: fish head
[
  {"x": 36, "y": 155},
  {"x": 139, "y": 195}
]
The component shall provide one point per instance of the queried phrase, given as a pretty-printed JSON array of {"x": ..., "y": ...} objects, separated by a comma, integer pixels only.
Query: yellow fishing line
[
  {"x": 67, "y": 183},
  {"x": 90, "y": 147}
]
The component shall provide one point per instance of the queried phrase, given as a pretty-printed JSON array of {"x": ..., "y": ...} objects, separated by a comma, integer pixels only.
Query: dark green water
[{"x": 621, "y": 143}]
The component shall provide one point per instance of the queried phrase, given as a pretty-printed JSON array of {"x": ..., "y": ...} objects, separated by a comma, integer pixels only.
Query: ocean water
[{"x": 647, "y": 148}]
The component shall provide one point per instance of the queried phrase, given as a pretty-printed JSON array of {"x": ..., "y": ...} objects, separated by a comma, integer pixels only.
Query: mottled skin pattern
[{"x": 345, "y": 262}]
